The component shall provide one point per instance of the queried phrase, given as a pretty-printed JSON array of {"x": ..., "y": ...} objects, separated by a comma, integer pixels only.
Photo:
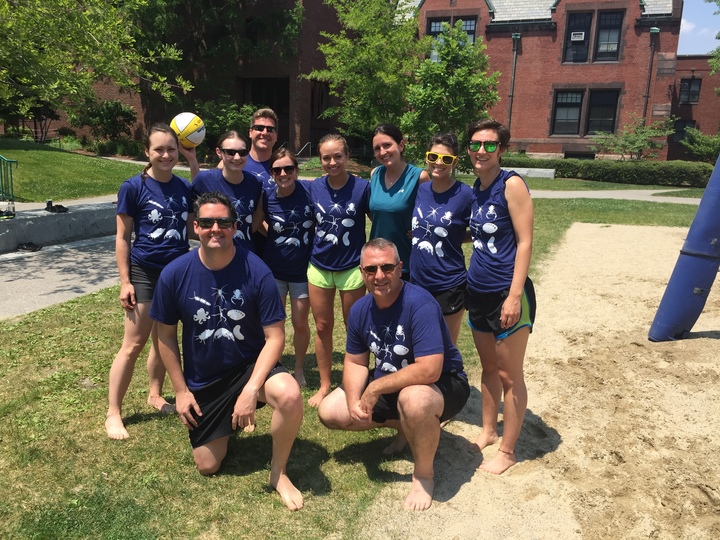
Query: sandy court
[{"x": 622, "y": 436}]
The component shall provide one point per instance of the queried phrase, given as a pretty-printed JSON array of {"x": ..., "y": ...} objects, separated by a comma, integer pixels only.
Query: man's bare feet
[
  {"x": 318, "y": 397},
  {"x": 290, "y": 495},
  {"x": 397, "y": 445},
  {"x": 115, "y": 428},
  {"x": 421, "y": 493},
  {"x": 300, "y": 377},
  {"x": 158, "y": 403},
  {"x": 500, "y": 462},
  {"x": 485, "y": 439}
]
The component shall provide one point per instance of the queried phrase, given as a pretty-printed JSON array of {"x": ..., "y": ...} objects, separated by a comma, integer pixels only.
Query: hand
[
  {"x": 510, "y": 312},
  {"x": 127, "y": 296},
  {"x": 184, "y": 405},
  {"x": 244, "y": 412},
  {"x": 358, "y": 414},
  {"x": 189, "y": 153}
]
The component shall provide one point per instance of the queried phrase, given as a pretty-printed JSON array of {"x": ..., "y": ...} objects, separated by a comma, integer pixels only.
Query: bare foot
[
  {"x": 249, "y": 428},
  {"x": 318, "y": 397},
  {"x": 500, "y": 463},
  {"x": 421, "y": 492},
  {"x": 290, "y": 495},
  {"x": 159, "y": 403},
  {"x": 484, "y": 440},
  {"x": 300, "y": 377},
  {"x": 115, "y": 428},
  {"x": 397, "y": 445}
]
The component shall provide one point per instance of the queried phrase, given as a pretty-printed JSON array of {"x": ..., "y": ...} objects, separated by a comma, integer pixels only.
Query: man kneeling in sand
[
  {"x": 233, "y": 336},
  {"x": 418, "y": 380}
]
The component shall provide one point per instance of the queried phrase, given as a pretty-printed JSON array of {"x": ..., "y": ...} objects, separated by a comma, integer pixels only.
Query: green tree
[
  {"x": 703, "y": 147},
  {"x": 370, "y": 62},
  {"x": 715, "y": 59},
  {"x": 107, "y": 120},
  {"x": 219, "y": 116},
  {"x": 635, "y": 140},
  {"x": 448, "y": 91},
  {"x": 53, "y": 52}
]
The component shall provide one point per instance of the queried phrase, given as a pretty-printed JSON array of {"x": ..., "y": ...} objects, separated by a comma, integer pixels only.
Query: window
[
  {"x": 567, "y": 113},
  {"x": 577, "y": 37},
  {"x": 680, "y": 126},
  {"x": 434, "y": 29},
  {"x": 690, "y": 90},
  {"x": 469, "y": 27},
  {"x": 608, "y": 35},
  {"x": 602, "y": 110}
]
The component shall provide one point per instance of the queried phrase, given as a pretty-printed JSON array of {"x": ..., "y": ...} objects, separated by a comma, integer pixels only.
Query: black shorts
[
  {"x": 453, "y": 387},
  {"x": 452, "y": 300},
  {"x": 217, "y": 401},
  {"x": 484, "y": 310},
  {"x": 144, "y": 280}
]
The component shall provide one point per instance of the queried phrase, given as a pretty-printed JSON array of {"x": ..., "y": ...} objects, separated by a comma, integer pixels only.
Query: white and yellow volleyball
[{"x": 190, "y": 129}]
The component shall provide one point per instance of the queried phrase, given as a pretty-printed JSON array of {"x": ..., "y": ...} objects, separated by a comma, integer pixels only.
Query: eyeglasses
[
  {"x": 434, "y": 157},
  {"x": 287, "y": 169},
  {"x": 386, "y": 268},
  {"x": 258, "y": 127},
  {"x": 490, "y": 146},
  {"x": 208, "y": 222},
  {"x": 230, "y": 152}
]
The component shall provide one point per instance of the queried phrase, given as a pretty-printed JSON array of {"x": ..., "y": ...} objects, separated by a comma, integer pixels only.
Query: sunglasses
[
  {"x": 230, "y": 152},
  {"x": 490, "y": 146},
  {"x": 287, "y": 169},
  {"x": 386, "y": 268},
  {"x": 258, "y": 127},
  {"x": 208, "y": 222},
  {"x": 434, "y": 157}
]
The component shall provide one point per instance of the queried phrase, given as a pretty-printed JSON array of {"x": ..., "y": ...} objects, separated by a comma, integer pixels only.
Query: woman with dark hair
[
  {"x": 155, "y": 206},
  {"x": 439, "y": 225},
  {"x": 243, "y": 188},
  {"x": 500, "y": 297},
  {"x": 286, "y": 210},
  {"x": 393, "y": 186}
]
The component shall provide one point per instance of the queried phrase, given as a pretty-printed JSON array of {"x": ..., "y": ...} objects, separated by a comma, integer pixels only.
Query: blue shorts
[{"x": 484, "y": 310}]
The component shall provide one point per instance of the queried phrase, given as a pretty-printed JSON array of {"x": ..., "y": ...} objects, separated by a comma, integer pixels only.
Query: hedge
[{"x": 657, "y": 173}]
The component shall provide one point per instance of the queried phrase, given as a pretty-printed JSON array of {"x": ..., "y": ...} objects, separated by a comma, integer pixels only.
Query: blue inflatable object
[{"x": 695, "y": 270}]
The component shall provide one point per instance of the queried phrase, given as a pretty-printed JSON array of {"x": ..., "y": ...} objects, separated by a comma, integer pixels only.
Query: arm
[
  {"x": 258, "y": 222},
  {"x": 355, "y": 375},
  {"x": 191, "y": 157},
  {"x": 170, "y": 355},
  {"x": 522, "y": 215},
  {"x": 244, "y": 412},
  {"x": 123, "y": 239},
  {"x": 424, "y": 177}
]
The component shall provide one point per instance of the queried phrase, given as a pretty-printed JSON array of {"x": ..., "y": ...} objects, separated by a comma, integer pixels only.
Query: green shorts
[{"x": 344, "y": 280}]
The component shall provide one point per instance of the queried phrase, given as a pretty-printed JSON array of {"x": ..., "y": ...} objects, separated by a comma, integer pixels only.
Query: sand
[{"x": 621, "y": 437}]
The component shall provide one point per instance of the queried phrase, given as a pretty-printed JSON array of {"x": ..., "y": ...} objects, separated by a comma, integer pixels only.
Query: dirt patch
[{"x": 621, "y": 438}]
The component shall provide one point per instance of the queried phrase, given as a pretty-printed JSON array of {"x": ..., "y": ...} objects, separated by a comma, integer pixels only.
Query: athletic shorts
[
  {"x": 453, "y": 387},
  {"x": 342, "y": 280},
  {"x": 452, "y": 300},
  {"x": 296, "y": 290},
  {"x": 144, "y": 280},
  {"x": 484, "y": 310},
  {"x": 217, "y": 402}
]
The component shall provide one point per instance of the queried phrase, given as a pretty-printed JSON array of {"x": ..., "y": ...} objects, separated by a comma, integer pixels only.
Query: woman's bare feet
[
  {"x": 158, "y": 403},
  {"x": 485, "y": 439},
  {"x": 500, "y": 463},
  {"x": 318, "y": 397},
  {"x": 115, "y": 428},
  {"x": 421, "y": 493},
  {"x": 397, "y": 445},
  {"x": 290, "y": 495}
]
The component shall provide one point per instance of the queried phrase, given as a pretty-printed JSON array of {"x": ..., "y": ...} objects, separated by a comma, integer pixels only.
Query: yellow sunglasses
[{"x": 434, "y": 157}]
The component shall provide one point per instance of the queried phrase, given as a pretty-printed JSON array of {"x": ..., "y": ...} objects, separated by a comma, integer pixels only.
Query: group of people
[{"x": 263, "y": 235}]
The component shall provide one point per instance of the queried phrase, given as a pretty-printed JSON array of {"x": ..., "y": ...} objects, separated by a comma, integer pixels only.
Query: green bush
[{"x": 662, "y": 173}]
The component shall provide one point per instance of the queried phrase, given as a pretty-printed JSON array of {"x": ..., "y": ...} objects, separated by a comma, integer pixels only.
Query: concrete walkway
[{"x": 64, "y": 269}]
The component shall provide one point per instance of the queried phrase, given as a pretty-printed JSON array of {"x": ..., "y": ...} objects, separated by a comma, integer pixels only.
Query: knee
[
  {"x": 207, "y": 465},
  {"x": 329, "y": 416},
  {"x": 419, "y": 403},
  {"x": 324, "y": 328}
]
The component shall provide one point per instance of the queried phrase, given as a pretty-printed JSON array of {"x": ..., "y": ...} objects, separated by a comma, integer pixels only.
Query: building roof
[
  {"x": 521, "y": 10},
  {"x": 657, "y": 7}
]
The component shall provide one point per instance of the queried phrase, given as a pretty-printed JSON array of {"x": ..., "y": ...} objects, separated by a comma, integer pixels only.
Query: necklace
[
  {"x": 390, "y": 183},
  {"x": 336, "y": 190}
]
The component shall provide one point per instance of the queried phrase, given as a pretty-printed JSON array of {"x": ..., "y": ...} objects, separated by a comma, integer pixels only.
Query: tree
[
  {"x": 449, "y": 92},
  {"x": 635, "y": 140},
  {"x": 370, "y": 62},
  {"x": 715, "y": 59},
  {"x": 53, "y": 52},
  {"x": 108, "y": 120},
  {"x": 704, "y": 147}
]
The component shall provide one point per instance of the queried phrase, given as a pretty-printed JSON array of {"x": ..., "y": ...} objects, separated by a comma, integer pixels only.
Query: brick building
[{"x": 572, "y": 68}]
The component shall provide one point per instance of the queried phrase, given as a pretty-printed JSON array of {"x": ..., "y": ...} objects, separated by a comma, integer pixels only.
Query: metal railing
[{"x": 6, "y": 183}]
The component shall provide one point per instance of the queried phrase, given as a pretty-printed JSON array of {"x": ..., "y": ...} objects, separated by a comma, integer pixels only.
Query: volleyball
[{"x": 190, "y": 129}]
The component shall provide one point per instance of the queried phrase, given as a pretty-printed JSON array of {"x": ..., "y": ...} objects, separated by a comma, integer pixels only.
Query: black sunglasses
[
  {"x": 208, "y": 222},
  {"x": 373, "y": 268},
  {"x": 231, "y": 152},
  {"x": 258, "y": 127},
  {"x": 490, "y": 146},
  {"x": 288, "y": 169}
]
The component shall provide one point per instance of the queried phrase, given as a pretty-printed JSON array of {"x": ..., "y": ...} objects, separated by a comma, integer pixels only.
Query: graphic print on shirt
[
  {"x": 167, "y": 221},
  {"x": 245, "y": 217},
  {"x": 218, "y": 318},
  {"x": 433, "y": 227},
  {"x": 389, "y": 351},
  {"x": 486, "y": 231},
  {"x": 295, "y": 229},
  {"x": 335, "y": 227}
]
